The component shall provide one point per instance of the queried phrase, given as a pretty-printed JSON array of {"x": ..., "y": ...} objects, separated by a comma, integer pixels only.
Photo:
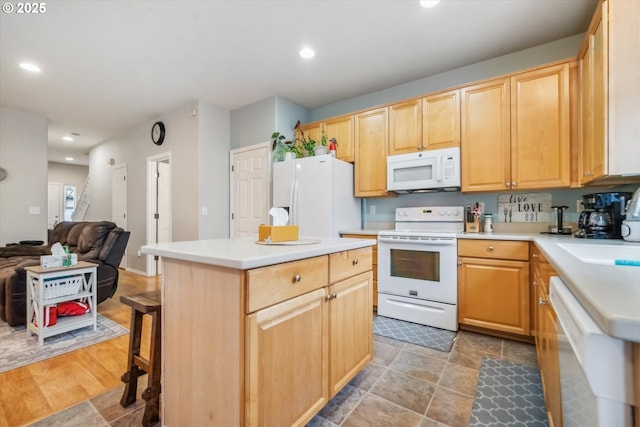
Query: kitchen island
[{"x": 259, "y": 335}]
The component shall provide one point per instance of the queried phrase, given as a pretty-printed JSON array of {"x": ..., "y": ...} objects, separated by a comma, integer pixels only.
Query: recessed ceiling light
[
  {"x": 307, "y": 53},
  {"x": 429, "y": 3},
  {"x": 69, "y": 159},
  {"x": 29, "y": 66},
  {"x": 67, "y": 138}
]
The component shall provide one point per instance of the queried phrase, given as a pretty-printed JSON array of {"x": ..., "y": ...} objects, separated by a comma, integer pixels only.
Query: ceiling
[{"x": 108, "y": 66}]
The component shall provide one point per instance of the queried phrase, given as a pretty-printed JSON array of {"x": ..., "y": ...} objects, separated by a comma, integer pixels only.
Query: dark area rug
[
  {"x": 426, "y": 336},
  {"x": 508, "y": 394}
]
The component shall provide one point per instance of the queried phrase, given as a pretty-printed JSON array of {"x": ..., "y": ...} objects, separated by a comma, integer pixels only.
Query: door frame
[
  {"x": 232, "y": 180},
  {"x": 124, "y": 263},
  {"x": 151, "y": 204}
]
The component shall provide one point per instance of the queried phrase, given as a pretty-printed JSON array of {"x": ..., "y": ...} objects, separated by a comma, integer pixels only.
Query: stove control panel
[{"x": 431, "y": 214}]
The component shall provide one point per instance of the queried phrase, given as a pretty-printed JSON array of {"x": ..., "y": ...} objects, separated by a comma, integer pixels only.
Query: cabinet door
[
  {"x": 485, "y": 136},
  {"x": 598, "y": 149},
  {"x": 405, "y": 127},
  {"x": 540, "y": 128},
  {"x": 494, "y": 294},
  {"x": 372, "y": 145},
  {"x": 311, "y": 131},
  {"x": 287, "y": 367},
  {"x": 351, "y": 323},
  {"x": 548, "y": 359},
  {"x": 341, "y": 128},
  {"x": 441, "y": 120}
]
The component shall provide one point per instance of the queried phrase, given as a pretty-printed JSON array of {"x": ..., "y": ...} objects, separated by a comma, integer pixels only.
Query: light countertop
[{"x": 245, "y": 253}]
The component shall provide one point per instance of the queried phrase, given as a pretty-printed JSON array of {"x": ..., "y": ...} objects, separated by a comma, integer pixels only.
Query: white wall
[
  {"x": 214, "y": 138},
  {"x": 197, "y": 138},
  {"x": 68, "y": 175},
  {"x": 23, "y": 153}
]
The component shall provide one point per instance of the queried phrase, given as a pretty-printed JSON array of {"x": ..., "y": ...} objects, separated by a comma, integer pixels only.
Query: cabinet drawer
[
  {"x": 270, "y": 285},
  {"x": 349, "y": 263},
  {"x": 495, "y": 249}
]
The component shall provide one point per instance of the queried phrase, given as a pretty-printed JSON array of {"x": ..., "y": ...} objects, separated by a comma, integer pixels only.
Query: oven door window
[{"x": 420, "y": 265}]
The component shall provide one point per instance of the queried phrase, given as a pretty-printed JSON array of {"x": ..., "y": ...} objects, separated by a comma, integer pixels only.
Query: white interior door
[
  {"x": 54, "y": 204},
  {"x": 250, "y": 189},
  {"x": 163, "y": 233},
  {"x": 119, "y": 202}
]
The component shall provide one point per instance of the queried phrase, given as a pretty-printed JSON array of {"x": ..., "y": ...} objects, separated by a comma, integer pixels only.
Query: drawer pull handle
[
  {"x": 355, "y": 262},
  {"x": 542, "y": 301},
  {"x": 297, "y": 278},
  {"x": 490, "y": 248}
]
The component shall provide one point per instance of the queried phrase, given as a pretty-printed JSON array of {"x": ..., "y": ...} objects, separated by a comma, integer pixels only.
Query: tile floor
[{"x": 404, "y": 385}]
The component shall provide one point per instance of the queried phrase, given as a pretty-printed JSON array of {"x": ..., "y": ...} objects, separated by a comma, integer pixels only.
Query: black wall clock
[{"x": 157, "y": 133}]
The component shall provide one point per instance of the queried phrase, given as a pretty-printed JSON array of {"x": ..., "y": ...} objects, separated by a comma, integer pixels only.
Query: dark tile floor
[{"x": 404, "y": 385}]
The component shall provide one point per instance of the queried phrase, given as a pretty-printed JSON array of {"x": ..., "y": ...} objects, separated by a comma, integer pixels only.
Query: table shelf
[{"x": 36, "y": 302}]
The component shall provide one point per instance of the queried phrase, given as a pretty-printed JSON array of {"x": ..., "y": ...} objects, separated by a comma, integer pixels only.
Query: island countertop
[{"x": 245, "y": 253}]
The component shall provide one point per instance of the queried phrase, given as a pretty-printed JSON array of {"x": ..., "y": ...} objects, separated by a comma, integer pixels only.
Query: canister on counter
[{"x": 488, "y": 223}]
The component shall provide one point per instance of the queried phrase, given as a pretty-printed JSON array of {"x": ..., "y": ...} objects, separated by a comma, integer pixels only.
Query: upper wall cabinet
[
  {"x": 372, "y": 147},
  {"x": 427, "y": 123},
  {"x": 341, "y": 128},
  {"x": 485, "y": 145},
  {"x": 441, "y": 120},
  {"x": 609, "y": 87},
  {"x": 405, "y": 127},
  {"x": 516, "y": 132},
  {"x": 540, "y": 128}
]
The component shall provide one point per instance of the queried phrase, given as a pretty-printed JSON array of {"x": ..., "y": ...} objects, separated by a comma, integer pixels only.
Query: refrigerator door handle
[{"x": 293, "y": 210}]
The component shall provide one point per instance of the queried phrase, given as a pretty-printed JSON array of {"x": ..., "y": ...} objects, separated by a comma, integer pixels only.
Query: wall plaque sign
[{"x": 535, "y": 207}]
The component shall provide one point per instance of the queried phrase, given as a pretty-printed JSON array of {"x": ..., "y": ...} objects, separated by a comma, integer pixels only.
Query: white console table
[{"x": 38, "y": 278}]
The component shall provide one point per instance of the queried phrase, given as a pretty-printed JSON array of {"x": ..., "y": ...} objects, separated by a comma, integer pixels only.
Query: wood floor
[{"x": 38, "y": 390}]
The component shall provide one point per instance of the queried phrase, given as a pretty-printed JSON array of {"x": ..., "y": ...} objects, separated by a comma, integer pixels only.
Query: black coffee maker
[{"x": 603, "y": 215}]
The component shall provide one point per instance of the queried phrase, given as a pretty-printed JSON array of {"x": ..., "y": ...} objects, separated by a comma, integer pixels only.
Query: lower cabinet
[
  {"x": 263, "y": 347},
  {"x": 288, "y": 356},
  {"x": 546, "y": 330},
  {"x": 493, "y": 285},
  {"x": 374, "y": 262},
  {"x": 301, "y": 352}
]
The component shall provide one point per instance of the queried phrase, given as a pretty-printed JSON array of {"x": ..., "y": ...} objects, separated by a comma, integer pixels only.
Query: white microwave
[{"x": 431, "y": 170}]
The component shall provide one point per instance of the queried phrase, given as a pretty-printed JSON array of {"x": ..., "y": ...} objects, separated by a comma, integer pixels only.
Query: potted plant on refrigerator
[
  {"x": 280, "y": 147},
  {"x": 321, "y": 148}
]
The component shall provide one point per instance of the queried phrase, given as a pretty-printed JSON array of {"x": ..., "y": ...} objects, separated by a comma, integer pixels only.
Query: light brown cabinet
[
  {"x": 341, "y": 128},
  {"x": 516, "y": 131},
  {"x": 493, "y": 286},
  {"x": 374, "y": 262},
  {"x": 441, "y": 120},
  {"x": 546, "y": 328},
  {"x": 405, "y": 127},
  {"x": 273, "y": 344},
  {"x": 608, "y": 87},
  {"x": 428, "y": 123},
  {"x": 372, "y": 148}
]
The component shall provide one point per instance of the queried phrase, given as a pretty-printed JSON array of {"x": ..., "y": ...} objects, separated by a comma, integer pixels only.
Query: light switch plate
[{"x": 34, "y": 210}]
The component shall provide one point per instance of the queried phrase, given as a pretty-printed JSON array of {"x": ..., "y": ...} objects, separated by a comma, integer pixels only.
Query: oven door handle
[{"x": 440, "y": 242}]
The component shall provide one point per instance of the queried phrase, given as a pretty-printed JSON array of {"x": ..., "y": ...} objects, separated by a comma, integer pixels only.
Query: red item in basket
[
  {"x": 73, "y": 308},
  {"x": 50, "y": 315}
]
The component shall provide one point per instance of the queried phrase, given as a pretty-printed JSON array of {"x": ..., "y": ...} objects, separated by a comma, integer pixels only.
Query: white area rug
[{"x": 17, "y": 349}]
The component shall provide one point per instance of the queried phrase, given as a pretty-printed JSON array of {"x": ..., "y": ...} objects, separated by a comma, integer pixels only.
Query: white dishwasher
[{"x": 596, "y": 370}]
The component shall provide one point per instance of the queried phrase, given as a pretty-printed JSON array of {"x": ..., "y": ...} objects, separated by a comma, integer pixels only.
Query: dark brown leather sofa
[{"x": 101, "y": 242}]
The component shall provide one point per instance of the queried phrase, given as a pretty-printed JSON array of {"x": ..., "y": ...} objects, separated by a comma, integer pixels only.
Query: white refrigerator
[{"x": 318, "y": 193}]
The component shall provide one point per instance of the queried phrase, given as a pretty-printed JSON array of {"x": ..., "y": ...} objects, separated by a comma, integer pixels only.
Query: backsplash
[{"x": 379, "y": 213}]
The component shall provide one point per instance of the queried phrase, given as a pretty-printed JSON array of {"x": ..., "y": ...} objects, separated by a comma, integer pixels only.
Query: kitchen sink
[{"x": 604, "y": 254}]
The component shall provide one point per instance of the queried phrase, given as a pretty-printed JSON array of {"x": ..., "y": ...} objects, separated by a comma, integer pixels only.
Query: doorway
[
  {"x": 54, "y": 204},
  {"x": 158, "y": 206},
  {"x": 250, "y": 192}
]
